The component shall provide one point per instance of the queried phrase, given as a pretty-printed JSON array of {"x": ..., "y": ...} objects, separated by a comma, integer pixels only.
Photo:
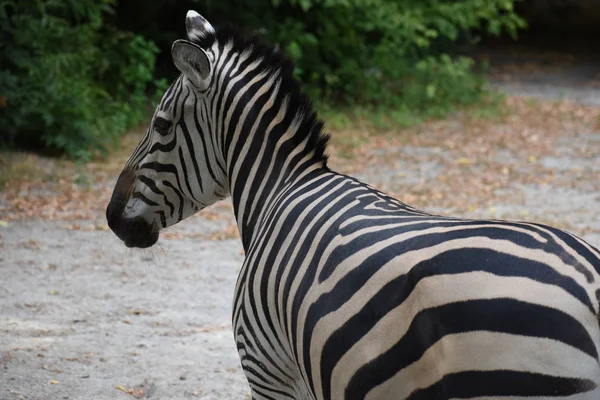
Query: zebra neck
[
  {"x": 262, "y": 182},
  {"x": 271, "y": 136}
]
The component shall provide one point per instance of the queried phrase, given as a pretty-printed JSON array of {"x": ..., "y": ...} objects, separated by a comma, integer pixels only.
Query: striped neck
[
  {"x": 269, "y": 148},
  {"x": 267, "y": 132}
]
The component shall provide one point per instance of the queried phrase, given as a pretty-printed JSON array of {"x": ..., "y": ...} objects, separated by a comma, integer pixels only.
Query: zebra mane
[{"x": 274, "y": 61}]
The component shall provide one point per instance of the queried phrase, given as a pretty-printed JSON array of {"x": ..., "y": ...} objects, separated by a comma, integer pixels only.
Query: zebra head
[{"x": 175, "y": 170}]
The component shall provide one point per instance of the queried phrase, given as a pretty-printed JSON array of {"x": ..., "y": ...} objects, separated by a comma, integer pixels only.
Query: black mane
[{"x": 275, "y": 61}]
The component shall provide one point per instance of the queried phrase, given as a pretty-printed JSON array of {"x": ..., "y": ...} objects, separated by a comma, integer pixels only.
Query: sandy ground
[{"x": 82, "y": 317}]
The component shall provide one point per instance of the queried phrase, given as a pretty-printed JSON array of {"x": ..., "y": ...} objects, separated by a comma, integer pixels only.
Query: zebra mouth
[
  {"x": 140, "y": 233},
  {"x": 134, "y": 232}
]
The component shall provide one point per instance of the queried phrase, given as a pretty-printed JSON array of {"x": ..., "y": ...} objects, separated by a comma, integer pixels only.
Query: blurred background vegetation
[{"x": 76, "y": 74}]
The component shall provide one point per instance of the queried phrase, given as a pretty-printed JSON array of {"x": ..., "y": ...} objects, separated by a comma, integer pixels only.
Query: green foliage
[
  {"x": 76, "y": 73},
  {"x": 68, "y": 81},
  {"x": 392, "y": 54}
]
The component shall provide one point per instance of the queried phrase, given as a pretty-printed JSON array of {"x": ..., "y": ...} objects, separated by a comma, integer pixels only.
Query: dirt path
[{"x": 81, "y": 317}]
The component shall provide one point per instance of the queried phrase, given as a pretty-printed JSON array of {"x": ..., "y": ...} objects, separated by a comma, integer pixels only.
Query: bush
[
  {"x": 378, "y": 52},
  {"x": 69, "y": 83},
  {"x": 74, "y": 77}
]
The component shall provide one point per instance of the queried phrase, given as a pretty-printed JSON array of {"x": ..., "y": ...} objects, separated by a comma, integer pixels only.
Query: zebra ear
[
  {"x": 193, "y": 62},
  {"x": 197, "y": 26}
]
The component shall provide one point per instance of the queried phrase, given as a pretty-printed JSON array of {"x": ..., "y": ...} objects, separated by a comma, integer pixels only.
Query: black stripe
[
  {"x": 580, "y": 249},
  {"x": 168, "y": 168},
  {"x": 250, "y": 328},
  {"x": 464, "y": 385},
  {"x": 220, "y": 100},
  {"x": 265, "y": 371},
  {"x": 245, "y": 345},
  {"x": 160, "y": 167},
  {"x": 140, "y": 196},
  {"x": 462, "y": 230},
  {"x": 397, "y": 290},
  {"x": 270, "y": 254},
  {"x": 257, "y": 386},
  {"x": 179, "y": 196},
  {"x": 180, "y": 89},
  {"x": 168, "y": 95},
  {"x": 152, "y": 186},
  {"x": 201, "y": 134},
  {"x": 165, "y": 148},
  {"x": 276, "y": 132},
  {"x": 186, "y": 177},
  {"x": 163, "y": 219},
  {"x": 243, "y": 181},
  {"x": 191, "y": 151},
  {"x": 429, "y": 326},
  {"x": 463, "y": 260},
  {"x": 248, "y": 92}
]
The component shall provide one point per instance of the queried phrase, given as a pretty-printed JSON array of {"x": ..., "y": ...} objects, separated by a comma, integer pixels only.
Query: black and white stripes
[{"x": 346, "y": 293}]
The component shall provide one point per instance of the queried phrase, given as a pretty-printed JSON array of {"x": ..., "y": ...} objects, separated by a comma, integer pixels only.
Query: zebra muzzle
[{"x": 136, "y": 231}]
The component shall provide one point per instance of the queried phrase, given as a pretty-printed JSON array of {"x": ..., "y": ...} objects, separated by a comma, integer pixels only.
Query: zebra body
[
  {"x": 360, "y": 297},
  {"x": 346, "y": 293}
]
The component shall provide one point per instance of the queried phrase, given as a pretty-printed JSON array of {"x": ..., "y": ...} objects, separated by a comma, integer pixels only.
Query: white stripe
[{"x": 488, "y": 351}]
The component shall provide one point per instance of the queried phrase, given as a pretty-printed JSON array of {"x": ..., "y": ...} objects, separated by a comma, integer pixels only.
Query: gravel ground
[
  {"x": 578, "y": 84},
  {"x": 82, "y": 317}
]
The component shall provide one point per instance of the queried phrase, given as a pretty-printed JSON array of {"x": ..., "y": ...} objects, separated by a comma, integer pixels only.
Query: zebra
[{"x": 346, "y": 292}]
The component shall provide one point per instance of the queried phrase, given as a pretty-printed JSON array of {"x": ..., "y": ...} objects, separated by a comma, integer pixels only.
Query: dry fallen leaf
[
  {"x": 136, "y": 393},
  {"x": 214, "y": 328}
]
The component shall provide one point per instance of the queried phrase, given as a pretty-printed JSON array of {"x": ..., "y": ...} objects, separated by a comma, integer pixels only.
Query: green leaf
[{"x": 430, "y": 91}]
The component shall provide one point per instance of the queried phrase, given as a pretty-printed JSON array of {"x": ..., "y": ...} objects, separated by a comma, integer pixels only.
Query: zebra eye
[{"x": 162, "y": 125}]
